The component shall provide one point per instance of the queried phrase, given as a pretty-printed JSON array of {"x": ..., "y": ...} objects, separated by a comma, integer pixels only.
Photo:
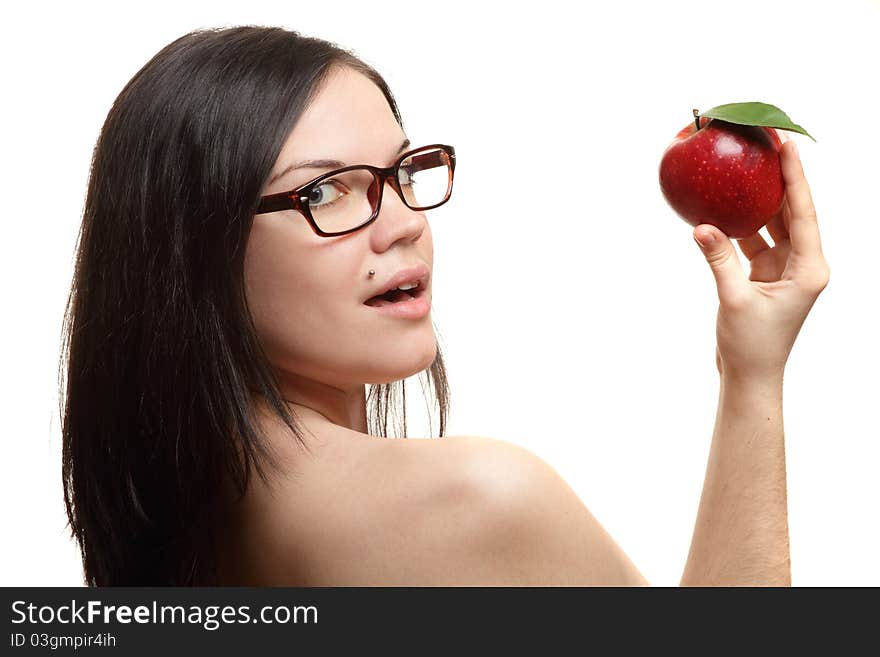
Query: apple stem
[{"x": 697, "y": 118}]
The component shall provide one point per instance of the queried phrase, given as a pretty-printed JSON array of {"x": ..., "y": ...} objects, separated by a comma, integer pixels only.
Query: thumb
[{"x": 722, "y": 259}]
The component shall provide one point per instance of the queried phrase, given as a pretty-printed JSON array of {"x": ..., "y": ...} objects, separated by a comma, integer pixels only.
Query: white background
[{"x": 575, "y": 311}]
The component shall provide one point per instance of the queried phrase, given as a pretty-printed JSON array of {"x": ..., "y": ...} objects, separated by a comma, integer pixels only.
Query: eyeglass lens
[{"x": 348, "y": 199}]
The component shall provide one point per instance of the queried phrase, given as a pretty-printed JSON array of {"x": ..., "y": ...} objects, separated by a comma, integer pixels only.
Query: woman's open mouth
[{"x": 409, "y": 304}]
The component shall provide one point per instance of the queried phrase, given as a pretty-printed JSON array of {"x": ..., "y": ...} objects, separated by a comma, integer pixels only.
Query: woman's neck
[{"x": 341, "y": 406}]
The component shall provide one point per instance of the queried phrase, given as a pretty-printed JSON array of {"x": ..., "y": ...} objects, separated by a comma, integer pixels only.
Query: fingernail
[{"x": 794, "y": 149}]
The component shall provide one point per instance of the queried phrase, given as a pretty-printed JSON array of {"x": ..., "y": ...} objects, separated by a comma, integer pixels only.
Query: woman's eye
[{"x": 320, "y": 197}]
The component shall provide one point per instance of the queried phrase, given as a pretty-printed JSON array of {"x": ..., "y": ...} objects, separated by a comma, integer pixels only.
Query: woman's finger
[
  {"x": 730, "y": 279},
  {"x": 803, "y": 227},
  {"x": 752, "y": 245}
]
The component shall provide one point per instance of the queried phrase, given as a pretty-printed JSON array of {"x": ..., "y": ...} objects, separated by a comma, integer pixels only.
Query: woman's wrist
[
  {"x": 752, "y": 403},
  {"x": 766, "y": 381}
]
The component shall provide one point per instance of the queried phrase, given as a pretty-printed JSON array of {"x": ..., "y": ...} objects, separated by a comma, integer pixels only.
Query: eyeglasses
[{"x": 347, "y": 199}]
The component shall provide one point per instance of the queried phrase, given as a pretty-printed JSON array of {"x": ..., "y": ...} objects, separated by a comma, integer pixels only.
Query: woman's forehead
[{"x": 349, "y": 119}]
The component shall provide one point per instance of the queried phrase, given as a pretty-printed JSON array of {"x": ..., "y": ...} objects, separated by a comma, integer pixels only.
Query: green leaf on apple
[{"x": 757, "y": 114}]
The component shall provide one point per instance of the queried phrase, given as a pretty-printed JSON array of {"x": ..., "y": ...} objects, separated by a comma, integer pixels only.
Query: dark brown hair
[{"x": 160, "y": 365}]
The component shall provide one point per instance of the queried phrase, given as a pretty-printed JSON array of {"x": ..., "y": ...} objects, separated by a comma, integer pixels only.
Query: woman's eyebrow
[{"x": 324, "y": 164}]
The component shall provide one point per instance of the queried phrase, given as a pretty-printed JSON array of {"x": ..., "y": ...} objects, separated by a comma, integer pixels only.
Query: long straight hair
[{"x": 160, "y": 365}]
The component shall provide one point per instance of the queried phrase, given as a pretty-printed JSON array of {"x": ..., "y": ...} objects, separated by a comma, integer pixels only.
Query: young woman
[{"x": 255, "y": 250}]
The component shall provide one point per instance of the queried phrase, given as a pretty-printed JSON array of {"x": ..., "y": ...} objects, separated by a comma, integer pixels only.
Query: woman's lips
[
  {"x": 419, "y": 273},
  {"x": 414, "y": 308}
]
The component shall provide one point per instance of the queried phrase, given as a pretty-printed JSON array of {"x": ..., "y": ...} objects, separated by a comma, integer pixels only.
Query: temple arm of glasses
[{"x": 276, "y": 202}]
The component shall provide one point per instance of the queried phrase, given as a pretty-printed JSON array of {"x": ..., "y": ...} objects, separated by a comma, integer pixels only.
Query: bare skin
[
  {"x": 741, "y": 533},
  {"x": 466, "y": 510},
  {"x": 457, "y": 511}
]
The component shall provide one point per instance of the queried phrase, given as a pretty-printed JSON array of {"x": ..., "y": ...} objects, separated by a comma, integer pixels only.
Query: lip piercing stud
[{"x": 372, "y": 273}]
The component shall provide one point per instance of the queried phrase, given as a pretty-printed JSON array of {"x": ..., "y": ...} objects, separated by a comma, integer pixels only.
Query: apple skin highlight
[{"x": 724, "y": 174}]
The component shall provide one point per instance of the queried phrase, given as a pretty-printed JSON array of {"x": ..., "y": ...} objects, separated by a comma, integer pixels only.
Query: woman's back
[{"x": 362, "y": 511}]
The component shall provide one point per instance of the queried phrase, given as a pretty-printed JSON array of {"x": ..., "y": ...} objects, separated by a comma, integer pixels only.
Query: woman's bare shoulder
[
  {"x": 457, "y": 510},
  {"x": 526, "y": 524}
]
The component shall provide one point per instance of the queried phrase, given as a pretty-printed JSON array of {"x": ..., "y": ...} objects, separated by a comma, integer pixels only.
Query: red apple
[{"x": 724, "y": 174}]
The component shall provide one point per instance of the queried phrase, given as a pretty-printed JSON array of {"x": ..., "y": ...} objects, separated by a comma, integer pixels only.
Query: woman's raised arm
[{"x": 741, "y": 532}]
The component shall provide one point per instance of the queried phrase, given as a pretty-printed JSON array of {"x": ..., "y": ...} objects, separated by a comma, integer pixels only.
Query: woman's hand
[{"x": 759, "y": 317}]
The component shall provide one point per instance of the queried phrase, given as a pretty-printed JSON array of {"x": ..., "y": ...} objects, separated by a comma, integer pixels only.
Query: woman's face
[{"x": 306, "y": 293}]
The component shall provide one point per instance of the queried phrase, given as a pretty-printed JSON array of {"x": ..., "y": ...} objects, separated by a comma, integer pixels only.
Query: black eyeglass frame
[{"x": 298, "y": 199}]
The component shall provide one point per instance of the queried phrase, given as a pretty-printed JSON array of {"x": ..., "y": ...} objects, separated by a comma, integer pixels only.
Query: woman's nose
[{"x": 397, "y": 217}]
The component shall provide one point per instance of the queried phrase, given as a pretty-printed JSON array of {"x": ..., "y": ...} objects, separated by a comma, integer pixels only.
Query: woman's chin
[{"x": 404, "y": 364}]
